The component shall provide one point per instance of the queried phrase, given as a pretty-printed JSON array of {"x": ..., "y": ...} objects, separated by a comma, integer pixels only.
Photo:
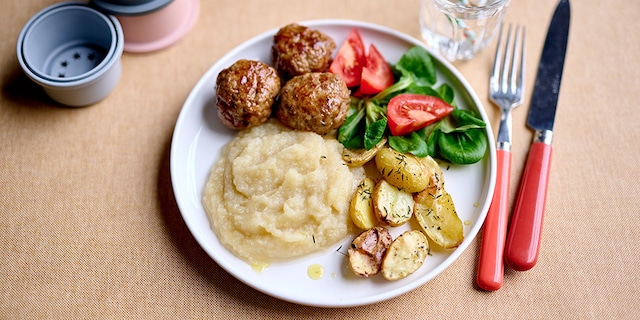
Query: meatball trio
[{"x": 311, "y": 99}]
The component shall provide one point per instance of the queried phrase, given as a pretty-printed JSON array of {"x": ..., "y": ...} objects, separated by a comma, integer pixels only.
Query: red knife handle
[
  {"x": 491, "y": 262},
  {"x": 523, "y": 239}
]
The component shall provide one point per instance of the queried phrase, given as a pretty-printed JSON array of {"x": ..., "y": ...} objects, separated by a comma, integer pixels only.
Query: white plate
[{"x": 199, "y": 136}]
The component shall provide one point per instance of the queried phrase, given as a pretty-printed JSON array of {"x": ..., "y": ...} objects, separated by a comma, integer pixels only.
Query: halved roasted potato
[
  {"x": 359, "y": 157},
  {"x": 405, "y": 255},
  {"x": 367, "y": 251},
  {"x": 436, "y": 214},
  {"x": 361, "y": 207},
  {"x": 404, "y": 171},
  {"x": 391, "y": 205}
]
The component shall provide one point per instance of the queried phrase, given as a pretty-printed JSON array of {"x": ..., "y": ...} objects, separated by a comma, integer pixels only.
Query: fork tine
[
  {"x": 495, "y": 75},
  {"x": 513, "y": 77},
  {"x": 505, "y": 62},
  {"x": 520, "y": 90}
]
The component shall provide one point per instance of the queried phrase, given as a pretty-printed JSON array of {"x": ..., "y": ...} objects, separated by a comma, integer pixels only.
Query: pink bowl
[{"x": 160, "y": 28}]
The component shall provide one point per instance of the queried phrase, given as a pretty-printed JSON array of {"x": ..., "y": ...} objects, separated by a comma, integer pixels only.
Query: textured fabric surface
[{"x": 89, "y": 226}]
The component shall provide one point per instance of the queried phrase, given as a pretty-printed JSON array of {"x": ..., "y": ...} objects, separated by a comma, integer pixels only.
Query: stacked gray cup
[{"x": 73, "y": 52}]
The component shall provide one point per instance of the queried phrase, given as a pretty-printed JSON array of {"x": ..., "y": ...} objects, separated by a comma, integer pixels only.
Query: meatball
[
  {"x": 315, "y": 102},
  {"x": 298, "y": 50},
  {"x": 245, "y": 93}
]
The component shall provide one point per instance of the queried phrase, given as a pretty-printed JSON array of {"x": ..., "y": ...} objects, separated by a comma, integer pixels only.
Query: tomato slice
[
  {"x": 350, "y": 59},
  {"x": 376, "y": 74},
  {"x": 409, "y": 112}
]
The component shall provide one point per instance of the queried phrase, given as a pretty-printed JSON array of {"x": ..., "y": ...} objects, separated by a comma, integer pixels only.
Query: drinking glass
[{"x": 458, "y": 29}]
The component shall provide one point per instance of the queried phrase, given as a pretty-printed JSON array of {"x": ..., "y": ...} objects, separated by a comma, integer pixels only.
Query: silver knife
[{"x": 525, "y": 230}]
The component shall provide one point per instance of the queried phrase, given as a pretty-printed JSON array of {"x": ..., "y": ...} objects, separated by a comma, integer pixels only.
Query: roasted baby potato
[
  {"x": 367, "y": 251},
  {"x": 435, "y": 176},
  {"x": 405, "y": 255},
  {"x": 391, "y": 205},
  {"x": 359, "y": 157},
  {"x": 361, "y": 208},
  {"x": 436, "y": 215},
  {"x": 404, "y": 171}
]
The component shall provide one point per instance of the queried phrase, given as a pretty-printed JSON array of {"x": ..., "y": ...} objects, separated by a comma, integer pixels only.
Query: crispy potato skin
[
  {"x": 405, "y": 255},
  {"x": 435, "y": 176},
  {"x": 404, "y": 171},
  {"x": 368, "y": 250},
  {"x": 392, "y": 206}
]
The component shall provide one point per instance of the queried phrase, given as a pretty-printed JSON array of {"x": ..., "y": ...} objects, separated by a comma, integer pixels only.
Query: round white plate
[{"x": 199, "y": 136}]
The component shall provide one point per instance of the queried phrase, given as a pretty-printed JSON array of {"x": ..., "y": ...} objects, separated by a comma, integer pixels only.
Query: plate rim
[{"x": 366, "y": 300}]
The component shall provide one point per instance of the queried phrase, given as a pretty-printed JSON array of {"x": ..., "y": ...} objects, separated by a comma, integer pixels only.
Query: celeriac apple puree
[{"x": 277, "y": 194}]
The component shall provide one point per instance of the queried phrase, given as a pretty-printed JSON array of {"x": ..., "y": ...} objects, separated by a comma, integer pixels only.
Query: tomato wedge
[
  {"x": 376, "y": 74},
  {"x": 409, "y": 112},
  {"x": 350, "y": 59}
]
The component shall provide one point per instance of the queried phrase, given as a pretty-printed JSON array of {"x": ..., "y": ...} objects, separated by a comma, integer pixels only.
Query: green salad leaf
[{"x": 459, "y": 138}]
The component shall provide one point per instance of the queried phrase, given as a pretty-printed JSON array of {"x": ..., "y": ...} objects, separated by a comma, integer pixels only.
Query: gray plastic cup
[
  {"x": 129, "y": 7},
  {"x": 73, "y": 52}
]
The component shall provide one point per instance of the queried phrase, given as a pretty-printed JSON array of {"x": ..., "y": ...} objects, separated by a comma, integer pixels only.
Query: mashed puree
[{"x": 277, "y": 194}]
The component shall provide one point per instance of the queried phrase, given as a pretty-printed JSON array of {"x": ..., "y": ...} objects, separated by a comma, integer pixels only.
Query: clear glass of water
[{"x": 458, "y": 29}]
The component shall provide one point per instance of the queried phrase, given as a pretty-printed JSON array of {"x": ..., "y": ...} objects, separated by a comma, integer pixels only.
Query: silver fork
[{"x": 505, "y": 90}]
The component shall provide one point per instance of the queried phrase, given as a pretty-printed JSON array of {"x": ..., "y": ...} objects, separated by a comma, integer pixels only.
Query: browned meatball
[
  {"x": 315, "y": 102},
  {"x": 298, "y": 50},
  {"x": 245, "y": 93}
]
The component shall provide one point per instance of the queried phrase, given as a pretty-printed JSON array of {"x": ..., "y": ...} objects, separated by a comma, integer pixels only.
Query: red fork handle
[
  {"x": 523, "y": 239},
  {"x": 491, "y": 262}
]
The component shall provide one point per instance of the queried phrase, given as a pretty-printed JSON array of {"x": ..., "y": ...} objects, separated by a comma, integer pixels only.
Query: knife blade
[{"x": 525, "y": 230}]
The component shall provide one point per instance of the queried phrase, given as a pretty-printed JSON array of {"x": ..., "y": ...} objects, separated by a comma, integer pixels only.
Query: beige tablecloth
[{"x": 89, "y": 226}]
